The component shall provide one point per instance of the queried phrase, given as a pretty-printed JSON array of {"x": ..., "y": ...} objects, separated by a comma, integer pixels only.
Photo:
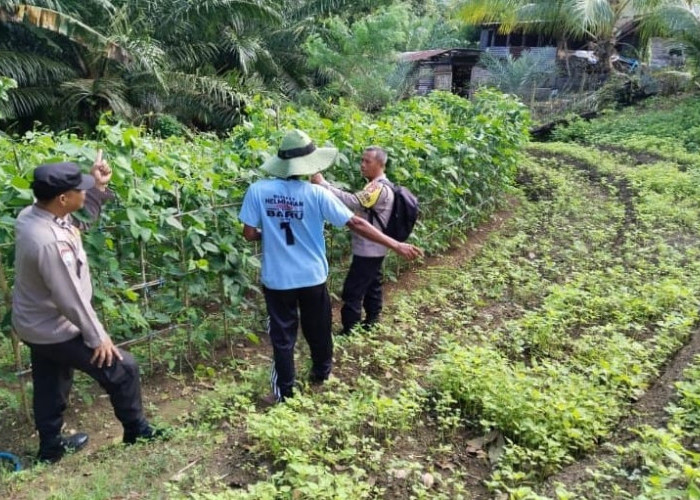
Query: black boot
[{"x": 52, "y": 450}]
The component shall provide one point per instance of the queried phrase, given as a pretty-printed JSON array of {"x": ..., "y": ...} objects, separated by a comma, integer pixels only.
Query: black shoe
[
  {"x": 370, "y": 322},
  {"x": 317, "y": 379},
  {"x": 53, "y": 450},
  {"x": 145, "y": 433}
]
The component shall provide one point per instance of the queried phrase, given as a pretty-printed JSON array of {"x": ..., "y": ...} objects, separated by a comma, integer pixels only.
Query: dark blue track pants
[{"x": 285, "y": 307}]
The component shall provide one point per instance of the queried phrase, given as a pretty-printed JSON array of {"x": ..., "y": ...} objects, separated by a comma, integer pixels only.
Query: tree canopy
[{"x": 198, "y": 61}]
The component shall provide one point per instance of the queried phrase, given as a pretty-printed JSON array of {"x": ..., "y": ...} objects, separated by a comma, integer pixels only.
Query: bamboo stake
[
  {"x": 183, "y": 268},
  {"x": 222, "y": 291},
  {"x": 7, "y": 297},
  {"x": 142, "y": 252}
]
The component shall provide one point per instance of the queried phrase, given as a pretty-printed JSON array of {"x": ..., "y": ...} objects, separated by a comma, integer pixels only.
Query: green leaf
[
  {"x": 20, "y": 182},
  {"x": 210, "y": 247},
  {"x": 175, "y": 222}
]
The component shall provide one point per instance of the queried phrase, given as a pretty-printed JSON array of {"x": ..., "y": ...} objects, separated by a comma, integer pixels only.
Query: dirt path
[
  {"x": 169, "y": 398},
  {"x": 649, "y": 410}
]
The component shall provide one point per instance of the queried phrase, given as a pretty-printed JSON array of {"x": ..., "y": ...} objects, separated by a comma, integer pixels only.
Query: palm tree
[
  {"x": 682, "y": 23},
  {"x": 604, "y": 22},
  {"x": 133, "y": 57},
  {"x": 519, "y": 76}
]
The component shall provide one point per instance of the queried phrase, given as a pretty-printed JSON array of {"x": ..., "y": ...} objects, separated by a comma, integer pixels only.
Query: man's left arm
[{"x": 366, "y": 230}]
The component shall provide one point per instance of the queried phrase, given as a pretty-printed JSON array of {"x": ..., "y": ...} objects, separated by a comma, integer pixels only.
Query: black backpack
[{"x": 404, "y": 213}]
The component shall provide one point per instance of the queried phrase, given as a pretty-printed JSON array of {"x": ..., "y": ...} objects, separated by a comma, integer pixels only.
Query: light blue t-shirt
[{"x": 291, "y": 214}]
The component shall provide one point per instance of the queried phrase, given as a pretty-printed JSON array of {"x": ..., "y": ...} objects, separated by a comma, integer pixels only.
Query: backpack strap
[{"x": 373, "y": 215}]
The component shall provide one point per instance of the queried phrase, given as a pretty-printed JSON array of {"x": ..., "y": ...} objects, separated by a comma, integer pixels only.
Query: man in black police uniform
[{"x": 52, "y": 311}]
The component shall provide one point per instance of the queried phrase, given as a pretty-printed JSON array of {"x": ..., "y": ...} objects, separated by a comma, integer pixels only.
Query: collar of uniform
[{"x": 45, "y": 214}]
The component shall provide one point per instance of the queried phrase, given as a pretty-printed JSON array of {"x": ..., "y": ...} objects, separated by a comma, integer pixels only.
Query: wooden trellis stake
[{"x": 7, "y": 297}]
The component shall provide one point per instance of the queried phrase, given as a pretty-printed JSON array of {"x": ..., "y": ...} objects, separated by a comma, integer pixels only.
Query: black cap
[{"x": 53, "y": 179}]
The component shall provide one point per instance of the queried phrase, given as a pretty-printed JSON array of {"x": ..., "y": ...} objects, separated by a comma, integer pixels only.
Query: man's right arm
[
  {"x": 250, "y": 216},
  {"x": 94, "y": 199},
  {"x": 98, "y": 195}
]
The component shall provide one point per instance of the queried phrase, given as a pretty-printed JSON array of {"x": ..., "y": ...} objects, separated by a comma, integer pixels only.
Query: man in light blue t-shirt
[{"x": 288, "y": 215}]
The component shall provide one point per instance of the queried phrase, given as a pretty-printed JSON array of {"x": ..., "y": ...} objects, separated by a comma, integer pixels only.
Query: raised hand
[{"x": 101, "y": 171}]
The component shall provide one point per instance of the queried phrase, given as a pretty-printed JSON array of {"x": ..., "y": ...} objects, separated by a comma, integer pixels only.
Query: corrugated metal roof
[
  {"x": 421, "y": 55},
  {"x": 426, "y": 55}
]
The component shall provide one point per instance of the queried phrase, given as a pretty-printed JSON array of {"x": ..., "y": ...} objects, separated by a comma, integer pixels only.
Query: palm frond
[
  {"x": 27, "y": 101},
  {"x": 111, "y": 92},
  {"x": 63, "y": 24},
  {"x": 518, "y": 76},
  {"x": 180, "y": 11},
  {"x": 245, "y": 49},
  {"x": 212, "y": 88},
  {"x": 595, "y": 17},
  {"x": 203, "y": 99},
  {"x": 31, "y": 69},
  {"x": 190, "y": 56}
]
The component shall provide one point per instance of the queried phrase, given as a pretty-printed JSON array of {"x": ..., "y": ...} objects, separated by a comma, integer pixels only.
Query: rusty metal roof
[
  {"x": 425, "y": 55},
  {"x": 421, "y": 55}
]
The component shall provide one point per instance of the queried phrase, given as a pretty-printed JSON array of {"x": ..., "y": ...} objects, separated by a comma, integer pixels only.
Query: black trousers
[
  {"x": 362, "y": 288},
  {"x": 52, "y": 373},
  {"x": 285, "y": 307}
]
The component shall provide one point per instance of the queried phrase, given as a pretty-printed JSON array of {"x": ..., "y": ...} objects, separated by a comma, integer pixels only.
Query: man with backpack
[
  {"x": 375, "y": 203},
  {"x": 288, "y": 214}
]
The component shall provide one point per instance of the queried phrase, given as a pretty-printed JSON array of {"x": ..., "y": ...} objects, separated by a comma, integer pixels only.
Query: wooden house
[{"x": 442, "y": 69}]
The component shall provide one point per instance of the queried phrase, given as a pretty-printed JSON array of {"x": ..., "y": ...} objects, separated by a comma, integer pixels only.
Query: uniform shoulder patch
[{"x": 370, "y": 194}]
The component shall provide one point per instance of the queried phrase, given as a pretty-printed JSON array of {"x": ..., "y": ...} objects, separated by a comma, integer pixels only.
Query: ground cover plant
[{"x": 487, "y": 379}]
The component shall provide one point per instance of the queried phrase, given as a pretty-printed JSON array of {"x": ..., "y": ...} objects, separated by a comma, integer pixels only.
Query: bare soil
[
  {"x": 649, "y": 410},
  {"x": 171, "y": 398}
]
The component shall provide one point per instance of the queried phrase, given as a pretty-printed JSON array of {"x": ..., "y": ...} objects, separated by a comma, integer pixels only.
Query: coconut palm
[
  {"x": 682, "y": 23},
  {"x": 603, "y": 22}
]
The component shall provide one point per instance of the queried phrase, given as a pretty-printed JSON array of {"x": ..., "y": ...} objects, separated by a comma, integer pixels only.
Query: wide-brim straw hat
[{"x": 298, "y": 155}]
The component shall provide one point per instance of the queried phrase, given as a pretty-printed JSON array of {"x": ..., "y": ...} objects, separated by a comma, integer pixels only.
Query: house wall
[
  {"x": 443, "y": 77},
  {"x": 661, "y": 56}
]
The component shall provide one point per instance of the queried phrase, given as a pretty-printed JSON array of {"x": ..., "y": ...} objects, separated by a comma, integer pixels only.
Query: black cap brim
[{"x": 87, "y": 182}]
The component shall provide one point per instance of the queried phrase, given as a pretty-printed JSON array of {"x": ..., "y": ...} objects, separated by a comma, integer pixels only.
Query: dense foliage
[
  {"x": 170, "y": 247},
  {"x": 201, "y": 62}
]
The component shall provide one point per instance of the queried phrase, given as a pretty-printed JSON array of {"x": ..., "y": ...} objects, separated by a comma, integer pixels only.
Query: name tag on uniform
[{"x": 68, "y": 257}]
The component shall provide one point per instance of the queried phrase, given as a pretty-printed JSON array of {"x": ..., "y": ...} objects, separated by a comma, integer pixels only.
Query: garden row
[
  {"x": 488, "y": 379},
  {"x": 523, "y": 361},
  {"x": 170, "y": 250},
  {"x": 545, "y": 340}
]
